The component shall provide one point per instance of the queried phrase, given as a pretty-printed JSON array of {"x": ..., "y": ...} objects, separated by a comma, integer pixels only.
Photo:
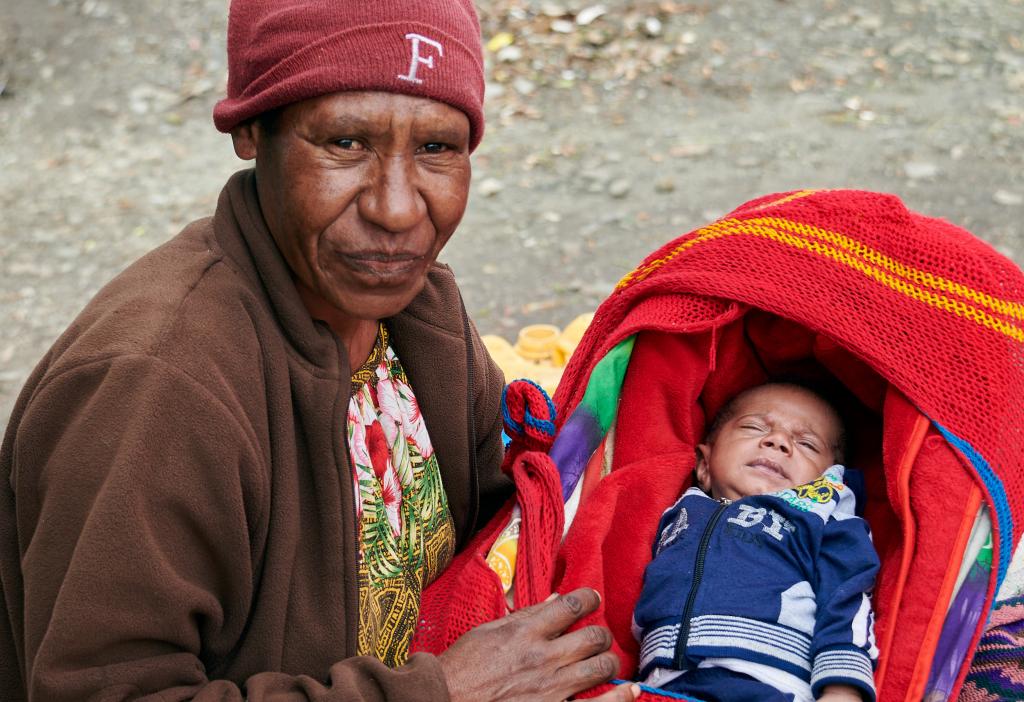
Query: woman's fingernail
[
  {"x": 635, "y": 689},
  {"x": 552, "y": 596},
  {"x": 573, "y": 603}
]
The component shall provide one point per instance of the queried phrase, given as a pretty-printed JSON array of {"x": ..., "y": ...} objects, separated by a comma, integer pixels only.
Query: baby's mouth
[{"x": 767, "y": 465}]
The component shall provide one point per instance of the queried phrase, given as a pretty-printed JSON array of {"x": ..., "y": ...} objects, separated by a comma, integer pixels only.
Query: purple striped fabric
[{"x": 997, "y": 672}]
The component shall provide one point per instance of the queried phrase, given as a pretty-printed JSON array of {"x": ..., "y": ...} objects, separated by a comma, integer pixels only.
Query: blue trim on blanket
[
  {"x": 1004, "y": 517},
  {"x": 656, "y": 691},
  {"x": 545, "y": 426}
]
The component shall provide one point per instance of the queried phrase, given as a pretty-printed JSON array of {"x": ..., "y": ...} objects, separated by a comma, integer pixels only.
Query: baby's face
[{"x": 777, "y": 438}]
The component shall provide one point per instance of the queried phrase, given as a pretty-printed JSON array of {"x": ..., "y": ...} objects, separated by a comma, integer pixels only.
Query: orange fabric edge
[
  {"x": 922, "y": 669},
  {"x": 903, "y": 471}
]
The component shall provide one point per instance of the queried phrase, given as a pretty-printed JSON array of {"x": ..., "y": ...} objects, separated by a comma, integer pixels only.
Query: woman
[{"x": 235, "y": 472}]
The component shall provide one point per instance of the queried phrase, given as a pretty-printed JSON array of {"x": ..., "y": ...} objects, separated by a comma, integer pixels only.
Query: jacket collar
[{"x": 242, "y": 232}]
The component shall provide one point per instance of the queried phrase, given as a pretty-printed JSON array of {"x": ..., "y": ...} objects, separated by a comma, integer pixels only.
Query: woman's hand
[{"x": 528, "y": 657}]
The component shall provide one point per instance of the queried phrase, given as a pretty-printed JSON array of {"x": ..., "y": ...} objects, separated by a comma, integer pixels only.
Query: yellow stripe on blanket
[
  {"x": 859, "y": 248},
  {"x": 860, "y": 257}
]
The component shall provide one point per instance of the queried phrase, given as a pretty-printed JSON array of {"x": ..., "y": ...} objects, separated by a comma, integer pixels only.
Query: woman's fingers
[
  {"x": 558, "y": 613},
  {"x": 587, "y": 673},
  {"x": 582, "y": 643},
  {"x": 528, "y": 656}
]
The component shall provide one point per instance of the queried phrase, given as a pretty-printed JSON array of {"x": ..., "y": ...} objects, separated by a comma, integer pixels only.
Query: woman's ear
[
  {"x": 244, "y": 139},
  {"x": 703, "y": 469}
]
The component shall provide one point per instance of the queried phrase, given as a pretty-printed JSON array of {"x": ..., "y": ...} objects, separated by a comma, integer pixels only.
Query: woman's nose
[{"x": 391, "y": 199}]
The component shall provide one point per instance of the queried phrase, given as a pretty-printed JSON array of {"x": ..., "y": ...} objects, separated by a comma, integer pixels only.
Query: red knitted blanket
[{"x": 919, "y": 320}]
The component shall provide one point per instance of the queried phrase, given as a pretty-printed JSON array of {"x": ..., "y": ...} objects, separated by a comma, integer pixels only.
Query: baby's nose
[{"x": 778, "y": 442}]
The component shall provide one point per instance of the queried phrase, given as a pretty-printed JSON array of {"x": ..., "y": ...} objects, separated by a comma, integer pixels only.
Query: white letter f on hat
[{"x": 417, "y": 58}]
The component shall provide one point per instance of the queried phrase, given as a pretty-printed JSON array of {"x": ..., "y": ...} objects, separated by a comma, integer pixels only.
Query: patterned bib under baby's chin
[{"x": 819, "y": 496}]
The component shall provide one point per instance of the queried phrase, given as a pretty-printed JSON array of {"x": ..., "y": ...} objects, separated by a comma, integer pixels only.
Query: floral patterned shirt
[{"x": 407, "y": 536}]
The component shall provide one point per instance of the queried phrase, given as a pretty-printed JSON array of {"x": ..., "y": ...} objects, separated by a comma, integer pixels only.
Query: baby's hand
[{"x": 840, "y": 693}]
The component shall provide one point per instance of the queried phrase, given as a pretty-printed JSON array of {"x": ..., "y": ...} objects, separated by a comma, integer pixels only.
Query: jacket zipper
[{"x": 698, "y": 574}]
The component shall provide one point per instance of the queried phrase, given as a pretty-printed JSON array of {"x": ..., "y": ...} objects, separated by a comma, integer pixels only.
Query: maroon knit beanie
[{"x": 284, "y": 51}]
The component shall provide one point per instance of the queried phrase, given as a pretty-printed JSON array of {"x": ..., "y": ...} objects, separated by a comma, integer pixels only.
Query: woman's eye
[
  {"x": 348, "y": 144},
  {"x": 434, "y": 148}
]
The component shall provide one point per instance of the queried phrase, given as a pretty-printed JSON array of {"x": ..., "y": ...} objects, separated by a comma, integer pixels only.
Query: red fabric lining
[{"x": 903, "y": 441}]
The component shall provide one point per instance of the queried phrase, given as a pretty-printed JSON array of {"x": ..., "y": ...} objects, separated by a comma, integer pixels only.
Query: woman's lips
[{"x": 383, "y": 266}]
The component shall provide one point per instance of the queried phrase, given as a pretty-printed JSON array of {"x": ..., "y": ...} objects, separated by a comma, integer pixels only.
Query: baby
[{"x": 759, "y": 586}]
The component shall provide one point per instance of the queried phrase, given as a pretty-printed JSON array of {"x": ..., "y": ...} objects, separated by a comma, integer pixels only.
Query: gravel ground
[{"x": 611, "y": 128}]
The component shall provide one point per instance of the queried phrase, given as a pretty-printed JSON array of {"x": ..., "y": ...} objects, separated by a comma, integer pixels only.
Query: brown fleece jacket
[{"x": 176, "y": 510}]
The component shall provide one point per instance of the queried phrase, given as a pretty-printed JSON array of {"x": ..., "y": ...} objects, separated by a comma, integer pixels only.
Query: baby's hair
[{"x": 728, "y": 411}]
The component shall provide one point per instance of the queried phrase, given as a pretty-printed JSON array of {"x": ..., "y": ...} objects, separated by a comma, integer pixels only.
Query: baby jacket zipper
[{"x": 698, "y": 574}]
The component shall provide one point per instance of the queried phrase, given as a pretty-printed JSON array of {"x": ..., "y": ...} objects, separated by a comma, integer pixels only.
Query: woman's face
[{"x": 361, "y": 191}]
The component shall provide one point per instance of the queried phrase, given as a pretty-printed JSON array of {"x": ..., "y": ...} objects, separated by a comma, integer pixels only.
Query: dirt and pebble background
[{"x": 612, "y": 127}]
